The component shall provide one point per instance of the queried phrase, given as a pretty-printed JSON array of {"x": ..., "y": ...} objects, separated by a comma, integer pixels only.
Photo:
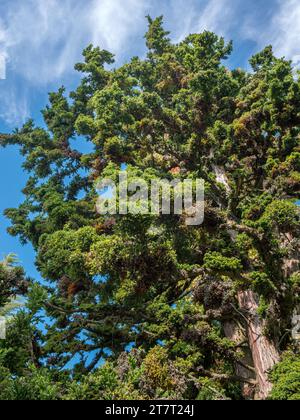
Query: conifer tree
[{"x": 206, "y": 309}]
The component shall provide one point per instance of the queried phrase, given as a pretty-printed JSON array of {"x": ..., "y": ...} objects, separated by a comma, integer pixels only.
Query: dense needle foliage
[{"x": 134, "y": 307}]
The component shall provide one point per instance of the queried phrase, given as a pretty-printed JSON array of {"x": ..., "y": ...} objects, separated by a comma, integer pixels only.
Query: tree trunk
[
  {"x": 259, "y": 353},
  {"x": 244, "y": 367},
  {"x": 291, "y": 262},
  {"x": 264, "y": 352}
]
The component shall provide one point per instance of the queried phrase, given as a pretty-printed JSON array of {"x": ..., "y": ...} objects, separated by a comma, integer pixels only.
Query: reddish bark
[
  {"x": 244, "y": 367},
  {"x": 264, "y": 352}
]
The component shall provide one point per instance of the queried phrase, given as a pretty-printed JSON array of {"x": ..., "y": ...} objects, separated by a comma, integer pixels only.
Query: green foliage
[
  {"x": 37, "y": 385},
  {"x": 286, "y": 378},
  {"x": 156, "y": 36},
  {"x": 216, "y": 261},
  {"x": 7, "y": 390},
  {"x": 261, "y": 283},
  {"x": 12, "y": 280},
  {"x": 101, "y": 385},
  {"x": 210, "y": 391},
  {"x": 282, "y": 214},
  {"x": 135, "y": 375}
]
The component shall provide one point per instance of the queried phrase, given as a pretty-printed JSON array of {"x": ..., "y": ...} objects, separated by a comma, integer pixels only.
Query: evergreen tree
[{"x": 207, "y": 309}]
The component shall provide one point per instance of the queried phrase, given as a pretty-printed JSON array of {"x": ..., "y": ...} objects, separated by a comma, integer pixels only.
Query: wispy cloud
[
  {"x": 278, "y": 25},
  {"x": 191, "y": 16},
  {"x": 2, "y": 65},
  {"x": 285, "y": 31},
  {"x": 114, "y": 22},
  {"x": 218, "y": 16},
  {"x": 42, "y": 39},
  {"x": 14, "y": 105}
]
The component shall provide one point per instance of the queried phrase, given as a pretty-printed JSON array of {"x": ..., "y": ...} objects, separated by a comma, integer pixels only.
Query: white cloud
[
  {"x": 14, "y": 107},
  {"x": 41, "y": 40},
  {"x": 281, "y": 29},
  {"x": 237, "y": 20},
  {"x": 196, "y": 16},
  {"x": 285, "y": 32},
  {"x": 113, "y": 22},
  {"x": 217, "y": 16},
  {"x": 2, "y": 65},
  {"x": 32, "y": 30},
  {"x": 44, "y": 38}
]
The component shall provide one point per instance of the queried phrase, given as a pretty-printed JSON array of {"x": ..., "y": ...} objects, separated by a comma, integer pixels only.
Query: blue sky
[{"x": 40, "y": 40}]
